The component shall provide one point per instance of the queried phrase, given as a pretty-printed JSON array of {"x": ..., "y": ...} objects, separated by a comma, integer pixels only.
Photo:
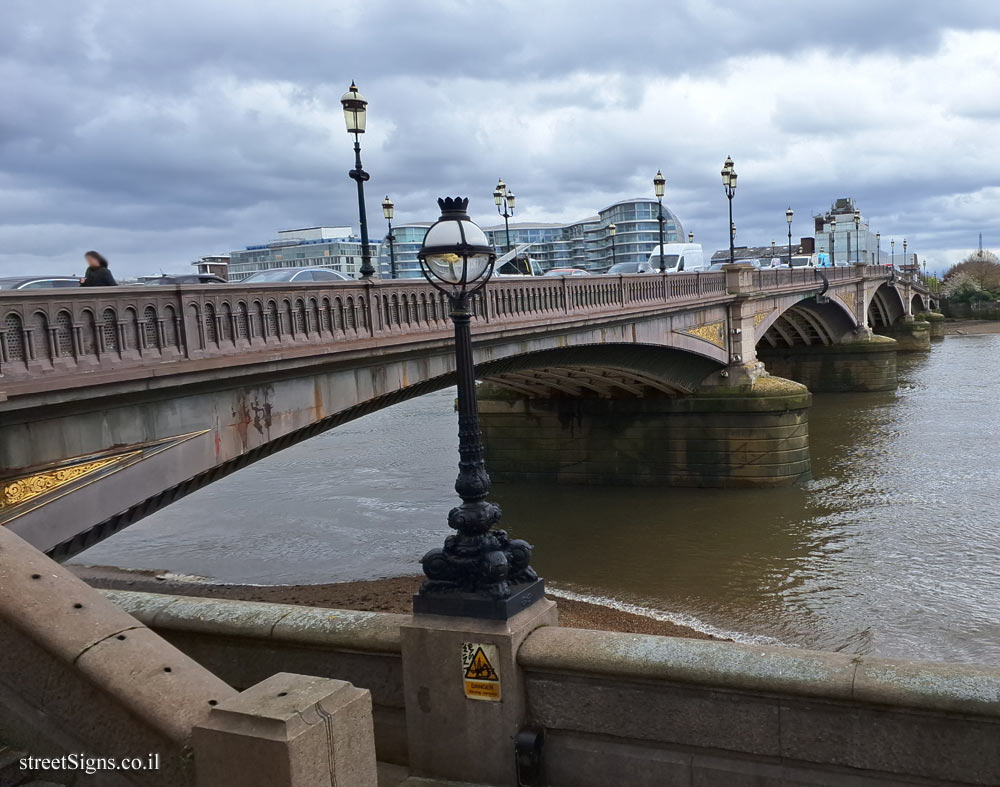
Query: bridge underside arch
[
  {"x": 808, "y": 323},
  {"x": 587, "y": 371},
  {"x": 605, "y": 370},
  {"x": 885, "y": 307}
]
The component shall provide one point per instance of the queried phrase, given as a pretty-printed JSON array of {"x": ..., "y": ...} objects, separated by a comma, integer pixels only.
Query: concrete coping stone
[
  {"x": 337, "y": 629},
  {"x": 930, "y": 686}
]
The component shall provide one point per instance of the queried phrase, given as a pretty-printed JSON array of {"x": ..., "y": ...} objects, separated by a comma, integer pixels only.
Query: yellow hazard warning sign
[{"x": 480, "y": 672}]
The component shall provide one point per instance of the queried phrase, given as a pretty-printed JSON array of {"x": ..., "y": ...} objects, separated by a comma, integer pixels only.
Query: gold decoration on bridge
[
  {"x": 711, "y": 332},
  {"x": 19, "y": 490},
  {"x": 850, "y": 299},
  {"x": 759, "y": 317}
]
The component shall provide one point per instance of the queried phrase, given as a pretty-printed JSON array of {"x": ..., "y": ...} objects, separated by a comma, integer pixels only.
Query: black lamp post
[
  {"x": 878, "y": 248},
  {"x": 904, "y": 266},
  {"x": 355, "y": 106},
  {"x": 892, "y": 245},
  {"x": 857, "y": 235},
  {"x": 612, "y": 229},
  {"x": 659, "y": 182},
  {"x": 479, "y": 572},
  {"x": 387, "y": 210},
  {"x": 788, "y": 217},
  {"x": 773, "y": 253},
  {"x": 729, "y": 182},
  {"x": 505, "y": 207}
]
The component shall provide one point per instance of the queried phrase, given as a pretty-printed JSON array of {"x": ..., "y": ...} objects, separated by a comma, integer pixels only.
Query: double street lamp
[
  {"x": 788, "y": 217},
  {"x": 355, "y": 108},
  {"x": 505, "y": 207},
  {"x": 729, "y": 182},
  {"x": 659, "y": 183},
  {"x": 612, "y": 229},
  {"x": 479, "y": 572},
  {"x": 387, "y": 210}
]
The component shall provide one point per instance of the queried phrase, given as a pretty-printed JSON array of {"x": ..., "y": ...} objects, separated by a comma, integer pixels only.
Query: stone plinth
[
  {"x": 868, "y": 365},
  {"x": 460, "y": 732},
  {"x": 721, "y": 438},
  {"x": 288, "y": 731}
]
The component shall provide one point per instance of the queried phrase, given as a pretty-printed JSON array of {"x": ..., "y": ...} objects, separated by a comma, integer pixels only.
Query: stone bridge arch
[
  {"x": 608, "y": 371},
  {"x": 885, "y": 307},
  {"x": 807, "y": 322}
]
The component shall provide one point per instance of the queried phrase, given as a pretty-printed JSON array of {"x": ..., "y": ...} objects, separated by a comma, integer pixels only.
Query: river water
[{"x": 892, "y": 549}]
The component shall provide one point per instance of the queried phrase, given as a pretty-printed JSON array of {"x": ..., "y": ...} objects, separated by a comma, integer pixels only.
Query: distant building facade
[
  {"x": 585, "y": 243},
  {"x": 217, "y": 264},
  {"x": 837, "y": 235},
  {"x": 335, "y": 248}
]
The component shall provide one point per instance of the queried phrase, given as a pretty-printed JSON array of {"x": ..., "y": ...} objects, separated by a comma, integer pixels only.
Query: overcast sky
[{"x": 160, "y": 132}]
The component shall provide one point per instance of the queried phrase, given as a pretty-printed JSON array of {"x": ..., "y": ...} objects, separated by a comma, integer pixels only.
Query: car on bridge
[
  {"x": 38, "y": 282},
  {"x": 630, "y": 267},
  {"x": 185, "y": 278},
  {"x": 295, "y": 276},
  {"x": 567, "y": 272}
]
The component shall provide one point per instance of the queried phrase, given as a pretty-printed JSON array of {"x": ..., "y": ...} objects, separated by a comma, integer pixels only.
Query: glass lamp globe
[
  {"x": 455, "y": 250},
  {"x": 788, "y": 215},
  {"x": 612, "y": 229},
  {"x": 659, "y": 182},
  {"x": 355, "y": 106},
  {"x": 387, "y": 207}
]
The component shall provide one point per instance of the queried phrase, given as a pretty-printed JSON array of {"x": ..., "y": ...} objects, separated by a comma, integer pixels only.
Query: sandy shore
[
  {"x": 379, "y": 595},
  {"x": 970, "y": 327}
]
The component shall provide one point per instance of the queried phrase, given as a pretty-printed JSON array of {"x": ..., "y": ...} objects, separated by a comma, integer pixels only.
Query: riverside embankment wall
[{"x": 643, "y": 710}]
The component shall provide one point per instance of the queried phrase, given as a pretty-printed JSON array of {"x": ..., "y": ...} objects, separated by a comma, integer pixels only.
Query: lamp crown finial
[{"x": 456, "y": 207}]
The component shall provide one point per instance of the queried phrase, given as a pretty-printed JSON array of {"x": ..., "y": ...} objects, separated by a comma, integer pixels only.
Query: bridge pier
[
  {"x": 865, "y": 365},
  {"x": 721, "y": 437},
  {"x": 910, "y": 335}
]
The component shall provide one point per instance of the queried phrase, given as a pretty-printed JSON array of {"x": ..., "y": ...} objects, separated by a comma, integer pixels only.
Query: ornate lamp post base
[
  {"x": 480, "y": 572},
  {"x": 473, "y": 605}
]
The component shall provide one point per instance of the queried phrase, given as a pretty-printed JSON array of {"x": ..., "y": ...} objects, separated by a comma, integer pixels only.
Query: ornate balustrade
[{"x": 68, "y": 332}]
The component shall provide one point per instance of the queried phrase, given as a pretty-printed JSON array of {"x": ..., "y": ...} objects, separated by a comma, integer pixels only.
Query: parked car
[
  {"x": 186, "y": 278},
  {"x": 567, "y": 272},
  {"x": 629, "y": 267},
  {"x": 37, "y": 282},
  {"x": 295, "y": 275},
  {"x": 679, "y": 258}
]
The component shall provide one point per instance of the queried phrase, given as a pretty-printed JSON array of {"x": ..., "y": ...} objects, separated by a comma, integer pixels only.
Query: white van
[{"x": 679, "y": 258}]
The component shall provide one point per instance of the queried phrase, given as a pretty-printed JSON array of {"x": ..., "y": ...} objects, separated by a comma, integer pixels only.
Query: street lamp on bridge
[
  {"x": 387, "y": 210},
  {"x": 833, "y": 240},
  {"x": 788, "y": 217},
  {"x": 612, "y": 229},
  {"x": 355, "y": 109},
  {"x": 505, "y": 207},
  {"x": 857, "y": 235},
  {"x": 904, "y": 254},
  {"x": 878, "y": 248},
  {"x": 892, "y": 245},
  {"x": 690, "y": 237},
  {"x": 479, "y": 572},
  {"x": 729, "y": 183},
  {"x": 659, "y": 183}
]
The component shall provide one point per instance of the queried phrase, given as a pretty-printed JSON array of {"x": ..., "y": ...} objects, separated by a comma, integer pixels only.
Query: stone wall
[
  {"x": 245, "y": 642},
  {"x": 653, "y": 711},
  {"x": 980, "y": 310},
  {"x": 716, "y": 439},
  {"x": 854, "y": 366}
]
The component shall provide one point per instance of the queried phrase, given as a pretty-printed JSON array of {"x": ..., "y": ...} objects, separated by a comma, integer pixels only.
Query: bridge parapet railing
[{"x": 45, "y": 335}]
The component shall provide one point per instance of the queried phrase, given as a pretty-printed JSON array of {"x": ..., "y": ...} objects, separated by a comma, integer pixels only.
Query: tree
[
  {"x": 983, "y": 267},
  {"x": 961, "y": 287}
]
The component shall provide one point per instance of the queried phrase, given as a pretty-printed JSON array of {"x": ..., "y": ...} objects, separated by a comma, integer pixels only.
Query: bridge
[{"x": 116, "y": 402}]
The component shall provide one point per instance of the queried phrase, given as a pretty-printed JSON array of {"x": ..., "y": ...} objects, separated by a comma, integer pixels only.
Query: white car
[{"x": 295, "y": 276}]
